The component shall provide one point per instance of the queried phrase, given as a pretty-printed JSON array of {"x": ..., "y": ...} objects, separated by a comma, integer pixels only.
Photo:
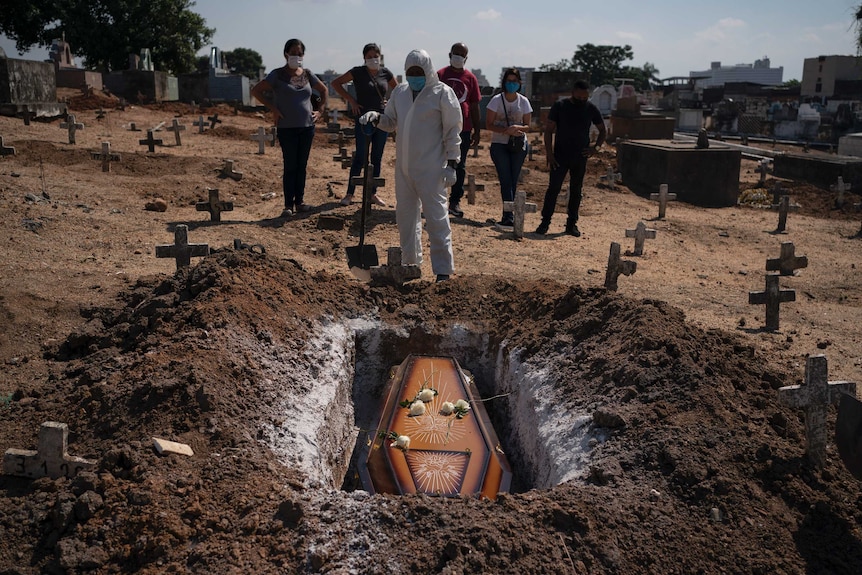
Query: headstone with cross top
[
  {"x": 176, "y": 128},
  {"x": 261, "y": 138},
  {"x": 150, "y": 142},
  {"x": 840, "y": 187},
  {"x": 181, "y": 250},
  {"x": 6, "y": 150},
  {"x": 617, "y": 267},
  {"x": 815, "y": 396},
  {"x": 663, "y": 198},
  {"x": 520, "y": 207},
  {"x": 788, "y": 262},
  {"x": 641, "y": 233},
  {"x": 213, "y": 205},
  {"x": 71, "y": 126},
  {"x": 472, "y": 188},
  {"x": 200, "y": 124},
  {"x": 106, "y": 156},
  {"x": 773, "y": 296},
  {"x": 50, "y": 458}
]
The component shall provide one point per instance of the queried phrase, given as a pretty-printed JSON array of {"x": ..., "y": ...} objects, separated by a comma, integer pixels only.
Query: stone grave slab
[
  {"x": 617, "y": 267},
  {"x": 788, "y": 262},
  {"x": 71, "y": 126},
  {"x": 50, "y": 458},
  {"x": 663, "y": 197},
  {"x": 704, "y": 177},
  {"x": 643, "y": 127},
  {"x": 181, "y": 250},
  {"x": 641, "y": 233},
  {"x": 213, "y": 205},
  {"x": 773, "y": 296},
  {"x": 106, "y": 156},
  {"x": 520, "y": 207}
]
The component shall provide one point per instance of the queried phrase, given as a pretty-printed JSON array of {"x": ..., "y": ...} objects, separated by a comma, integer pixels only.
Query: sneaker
[
  {"x": 573, "y": 230},
  {"x": 302, "y": 208},
  {"x": 347, "y": 200},
  {"x": 442, "y": 278},
  {"x": 455, "y": 210},
  {"x": 375, "y": 200},
  {"x": 505, "y": 226},
  {"x": 286, "y": 213},
  {"x": 543, "y": 228}
]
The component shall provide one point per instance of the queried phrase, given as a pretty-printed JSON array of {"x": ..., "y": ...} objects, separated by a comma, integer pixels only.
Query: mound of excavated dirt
[{"x": 686, "y": 464}]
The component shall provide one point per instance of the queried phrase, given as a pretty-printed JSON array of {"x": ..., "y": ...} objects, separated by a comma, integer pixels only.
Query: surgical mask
[
  {"x": 416, "y": 83},
  {"x": 294, "y": 61},
  {"x": 457, "y": 61},
  {"x": 512, "y": 87},
  {"x": 373, "y": 63}
]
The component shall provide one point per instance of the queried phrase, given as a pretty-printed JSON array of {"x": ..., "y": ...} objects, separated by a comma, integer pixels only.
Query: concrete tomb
[
  {"x": 815, "y": 396},
  {"x": 71, "y": 126},
  {"x": 819, "y": 170},
  {"x": 30, "y": 85},
  {"x": 641, "y": 233},
  {"x": 181, "y": 250},
  {"x": 142, "y": 82},
  {"x": 150, "y": 142},
  {"x": 50, "y": 458},
  {"x": 788, "y": 262},
  {"x": 213, "y": 205},
  {"x": 617, "y": 267},
  {"x": 772, "y": 297},
  {"x": 472, "y": 188},
  {"x": 106, "y": 156},
  {"x": 261, "y": 138},
  {"x": 6, "y": 150},
  {"x": 520, "y": 207},
  {"x": 67, "y": 73},
  {"x": 704, "y": 177},
  {"x": 176, "y": 128},
  {"x": 663, "y": 197}
]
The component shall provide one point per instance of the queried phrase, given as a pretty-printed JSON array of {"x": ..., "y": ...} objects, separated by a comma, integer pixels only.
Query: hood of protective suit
[{"x": 423, "y": 60}]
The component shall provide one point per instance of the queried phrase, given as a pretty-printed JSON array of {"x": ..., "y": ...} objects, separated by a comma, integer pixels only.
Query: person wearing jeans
[{"x": 508, "y": 118}]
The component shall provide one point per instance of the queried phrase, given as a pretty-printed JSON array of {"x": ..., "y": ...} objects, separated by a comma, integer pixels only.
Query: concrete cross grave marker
[
  {"x": 787, "y": 262},
  {"x": 521, "y": 207},
  {"x": 617, "y": 266},
  {"x": 346, "y": 162},
  {"x": 763, "y": 169},
  {"x": 476, "y": 149},
  {"x": 50, "y": 458},
  {"x": 213, "y": 120},
  {"x": 72, "y": 126},
  {"x": 472, "y": 188},
  {"x": 200, "y": 124},
  {"x": 150, "y": 142},
  {"x": 272, "y": 131},
  {"x": 133, "y": 127},
  {"x": 343, "y": 154},
  {"x": 106, "y": 156},
  {"x": 840, "y": 187},
  {"x": 100, "y": 114},
  {"x": 641, "y": 233},
  {"x": 783, "y": 208},
  {"x": 260, "y": 137},
  {"x": 663, "y": 198},
  {"x": 368, "y": 181},
  {"x": 394, "y": 272},
  {"x": 228, "y": 171},
  {"x": 773, "y": 297},
  {"x": 777, "y": 192},
  {"x": 214, "y": 206},
  {"x": 27, "y": 115},
  {"x": 6, "y": 150},
  {"x": 176, "y": 128},
  {"x": 611, "y": 178},
  {"x": 181, "y": 250},
  {"x": 814, "y": 396}
]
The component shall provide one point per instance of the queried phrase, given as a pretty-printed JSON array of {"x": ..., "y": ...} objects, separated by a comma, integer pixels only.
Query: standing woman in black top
[{"x": 372, "y": 83}]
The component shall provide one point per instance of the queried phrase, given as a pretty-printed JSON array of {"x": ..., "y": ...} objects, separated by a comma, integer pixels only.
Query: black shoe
[
  {"x": 455, "y": 210},
  {"x": 505, "y": 225},
  {"x": 543, "y": 228},
  {"x": 442, "y": 278},
  {"x": 572, "y": 230}
]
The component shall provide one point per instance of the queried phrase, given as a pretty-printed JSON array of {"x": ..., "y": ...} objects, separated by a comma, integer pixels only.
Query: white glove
[
  {"x": 372, "y": 117},
  {"x": 449, "y": 176}
]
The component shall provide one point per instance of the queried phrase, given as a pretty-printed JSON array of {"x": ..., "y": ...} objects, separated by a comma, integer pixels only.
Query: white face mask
[
  {"x": 373, "y": 63},
  {"x": 294, "y": 61},
  {"x": 457, "y": 61}
]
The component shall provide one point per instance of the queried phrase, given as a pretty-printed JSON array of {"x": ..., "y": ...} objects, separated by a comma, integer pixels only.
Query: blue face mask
[
  {"x": 512, "y": 87},
  {"x": 416, "y": 83}
]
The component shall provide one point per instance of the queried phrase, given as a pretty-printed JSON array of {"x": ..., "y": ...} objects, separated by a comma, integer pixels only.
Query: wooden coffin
[{"x": 448, "y": 455}]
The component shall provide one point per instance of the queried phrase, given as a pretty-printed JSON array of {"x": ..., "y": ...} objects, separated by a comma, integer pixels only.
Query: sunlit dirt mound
[{"x": 687, "y": 463}]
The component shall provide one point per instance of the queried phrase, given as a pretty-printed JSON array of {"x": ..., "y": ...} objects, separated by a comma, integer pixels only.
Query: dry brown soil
[{"x": 702, "y": 471}]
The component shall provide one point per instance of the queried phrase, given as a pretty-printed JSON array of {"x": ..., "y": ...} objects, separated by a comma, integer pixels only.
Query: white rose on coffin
[
  {"x": 447, "y": 408},
  {"x": 427, "y": 395},
  {"x": 402, "y": 442},
  {"x": 462, "y": 405},
  {"x": 417, "y": 408}
]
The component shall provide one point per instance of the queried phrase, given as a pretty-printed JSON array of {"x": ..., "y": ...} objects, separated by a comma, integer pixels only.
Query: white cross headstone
[
  {"x": 617, "y": 267},
  {"x": 106, "y": 156},
  {"x": 261, "y": 138},
  {"x": 50, "y": 459},
  {"x": 520, "y": 207},
  {"x": 663, "y": 198},
  {"x": 72, "y": 126},
  {"x": 840, "y": 187},
  {"x": 641, "y": 233}
]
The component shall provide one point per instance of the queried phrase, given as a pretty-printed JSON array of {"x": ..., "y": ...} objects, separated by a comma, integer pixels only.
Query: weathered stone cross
[
  {"x": 6, "y": 150},
  {"x": 181, "y": 250},
  {"x": 814, "y": 397},
  {"x": 788, "y": 261},
  {"x": 394, "y": 272},
  {"x": 50, "y": 459},
  {"x": 783, "y": 208},
  {"x": 72, "y": 127},
  {"x": 611, "y": 178},
  {"x": 641, "y": 233},
  {"x": 27, "y": 115},
  {"x": 200, "y": 124},
  {"x": 343, "y": 154},
  {"x": 773, "y": 297},
  {"x": 133, "y": 127},
  {"x": 229, "y": 172},
  {"x": 213, "y": 120},
  {"x": 476, "y": 149},
  {"x": 617, "y": 266},
  {"x": 472, "y": 188},
  {"x": 840, "y": 187},
  {"x": 150, "y": 142},
  {"x": 521, "y": 207},
  {"x": 763, "y": 169},
  {"x": 214, "y": 206},
  {"x": 261, "y": 139},
  {"x": 176, "y": 128},
  {"x": 777, "y": 192},
  {"x": 347, "y": 161},
  {"x": 663, "y": 198},
  {"x": 106, "y": 156}
]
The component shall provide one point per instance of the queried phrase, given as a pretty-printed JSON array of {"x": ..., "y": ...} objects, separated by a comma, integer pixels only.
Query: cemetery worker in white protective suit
[{"x": 427, "y": 115}]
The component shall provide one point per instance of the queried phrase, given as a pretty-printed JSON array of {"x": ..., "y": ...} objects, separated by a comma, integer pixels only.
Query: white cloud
[
  {"x": 719, "y": 30},
  {"x": 629, "y": 35},
  {"x": 489, "y": 14}
]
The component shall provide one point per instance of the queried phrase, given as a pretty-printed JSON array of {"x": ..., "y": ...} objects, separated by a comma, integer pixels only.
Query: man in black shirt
[{"x": 570, "y": 119}]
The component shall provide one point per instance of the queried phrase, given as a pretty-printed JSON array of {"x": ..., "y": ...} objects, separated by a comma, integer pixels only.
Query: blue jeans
[
  {"x": 378, "y": 142},
  {"x": 576, "y": 170},
  {"x": 295, "y": 149},
  {"x": 460, "y": 171},
  {"x": 508, "y": 166}
]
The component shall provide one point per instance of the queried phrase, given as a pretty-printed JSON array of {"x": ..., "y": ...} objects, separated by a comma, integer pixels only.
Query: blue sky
[{"x": 677, "y": 36}]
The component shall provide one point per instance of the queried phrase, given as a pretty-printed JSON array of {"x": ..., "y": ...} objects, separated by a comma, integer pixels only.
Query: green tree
[
  {"x": 791, "y": 83},
  {"x": 105, "y": 32},
  {"x": 643, "y": 78},
  {"x": 601, "y": 63},
  {"x": 244, "y": 61}
]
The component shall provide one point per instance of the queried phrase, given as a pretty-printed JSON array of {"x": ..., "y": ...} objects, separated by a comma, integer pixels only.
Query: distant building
[
  {"x": 758, "y": 73},
  {"x": 526, "y": 80},
  {"x": 483, "y": 81},
  {"x": 823, "y": 76}
]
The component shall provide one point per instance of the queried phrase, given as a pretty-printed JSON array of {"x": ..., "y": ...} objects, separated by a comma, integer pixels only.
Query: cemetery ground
[{"x": 643, "y": 425}]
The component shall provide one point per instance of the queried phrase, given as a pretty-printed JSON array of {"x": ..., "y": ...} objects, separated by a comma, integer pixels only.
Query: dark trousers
[
  {"x": 460, "y": 171},
  {"x": 576, "y": 170},
  {"x": 295, "y": 149},
  {"x": 378, "y": 142}
]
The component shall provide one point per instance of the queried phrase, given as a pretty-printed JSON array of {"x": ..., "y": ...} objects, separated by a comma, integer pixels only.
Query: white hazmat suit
[{"x": 428, "y": 135}]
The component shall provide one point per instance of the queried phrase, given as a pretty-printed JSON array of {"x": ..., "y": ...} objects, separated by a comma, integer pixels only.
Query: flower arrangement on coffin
[
  {"x": 401, "y": 442},
  {"x": 460, "y": 408},
  {"x": 417, "y": 404}
]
